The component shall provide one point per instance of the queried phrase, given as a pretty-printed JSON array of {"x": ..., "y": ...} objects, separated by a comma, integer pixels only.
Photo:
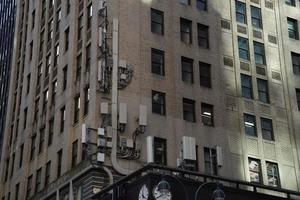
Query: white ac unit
[
  {"x": 83, "y": 134},
  {"x": 143, "y": 115},
  {"x": 219, "y": 156},
  {"x": 101, "y": 132},
  {"x": 150, "y": 149},
  {"x": 100, "y": 157},
  {"x": 123, "y": 113},
  {"x": 189, "y": 148},
  {"x": 104, "y": 108}
]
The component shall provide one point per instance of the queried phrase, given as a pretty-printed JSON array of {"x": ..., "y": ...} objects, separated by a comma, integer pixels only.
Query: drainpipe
[
  {"x": 110, "y": 176},
  {"x": 114, "y": 106}
]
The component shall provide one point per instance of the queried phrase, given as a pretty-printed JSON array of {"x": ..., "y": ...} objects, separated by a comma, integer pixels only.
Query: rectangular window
[
  {"x": 256, "y": 17},
  {"x": 241, "y": 11},
  {"x": 160, "y": 151},
  {"x": 186, "y": 30},
  {"x": 273, "y": 174},
  {"x": 205, "y": 74},
  {"x": 47, "y": 173},
  {"x": 243, "y": 48},
  {"x": 293, "y": 28},
  {"x": 65, "y": 77},
  {"x": 296, "y": 62},
  {"x": 203, "y": 36},
  {"x": 157, "y": 21},
  {"x": 12, "y": 165},
  {"x": 29, "y": 187},
  {"x": 76, "y": 108},
  {"x": 263, "y": 90},
  {"x": 247, "y": 89},
  {"x": 187, "y": 70},
  {"x": 74, "y": 153},
  {"x": 89, "y": 16},
  {"x": 207, "y": 114},
  {"x": 158, "y": 102},
  {"x": 59, "y": 163},
  {"x": 54, "y": 91},
  {"x": 290, "y": 2},
  {"x": 259, "y": 53},
  {"x": 86, "y": 99},
  {"x": 25, "y": 118},
  {"x": 51, "y": 131},
  {"x": 42, "y": 140},
  {"x": 78, "y": 67},
  {"x": 202, "y": 5},
  {"x": 210, "y": 161},
  {"x": 21, "y": 155},
  {"x": 17, "y": 191},
  {"x": 267, "y": 129},
  {"x": 32, "y": 149},
  {"x": 38, "y": 180},
  {"x": 250, "y": 125},
  {"x": 28, "y": 84},
  {"x": 255, "y": 170},
  {"x": 67, "y": 40},
  {"x": 33, "y": 19},
  {"x": 56, "y": 56},
  {"x": 189, "y": 113},
  {"x": 157, "y": 62},
  {"x": 298, "y": 97},
  {"x": 88, "y": 58},
  {"x": 62, "y": 118}
]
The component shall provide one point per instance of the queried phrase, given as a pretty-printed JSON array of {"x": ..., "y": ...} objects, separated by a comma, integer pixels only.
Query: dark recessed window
[
  {"x": 293, "y": 28},
  {"x": 255, "y": 170},
  {"x": 263, "y": 90},
  {"x": 160, "y": 151},
  {"x": 240, "y": 9},
  {"x": 189, "y": 113},
  {"x": 205, "y": 74},
  {"x": 158, "y": 102},
  {"x": 207, "y": 114},
  {"x": 298, "y": 97},
  {"x": 62, "y": 118},
  {"x": 290, "y": 2},
  {"x": 247, "y": 89},
  {"x": 267, "y": 129},
  {"x": 296, "y": 62},
  {"x": 74, "y": 153},
  {"x": 243, "y": 48},
  {"x": 86, "y": 99},
  {"x": 250, "y": 125},
  {"x": 202, "y": 4},
  {"x": 273, "y": 174},
  {"x": 210, "y": 161},
  {"x": 157, "y": 62},
  {"x": 256, "y": 17},
  {"x": 203, "y": 36},
  {"x": 76, "y": 108},
  {"x": 38, "y": 180},
  {"x": 187, "y": 70},
  {"x": 186, "y": 31},
  {"x": 47, "y": 173},
  {"x": 59, "y": 163},
  {"x": 259, "y": 53},
  {"x": 157, "y": 21}
]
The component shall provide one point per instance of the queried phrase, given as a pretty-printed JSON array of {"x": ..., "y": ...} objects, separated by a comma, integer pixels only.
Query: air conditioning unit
[
  {"x": 83, "y": 134},
  {"x": 189, "y": 148},
  {"x": 122, "y": 64},
  {"x": 219, "y": 156},
  {"x": 143, "y": 115},
  {"x": 104, "y": 108},
  {"x": 100, "y": 157},
  {"x": 150, "y": 150},
  {"x": 123, "y": 113}
]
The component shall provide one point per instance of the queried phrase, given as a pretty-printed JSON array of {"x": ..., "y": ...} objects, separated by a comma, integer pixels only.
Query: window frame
[
  {"x": 205, "y": 74},
  {"x": 239, "y": 14},
  {"x": 263, "y": 93},
  {"x": 207, "y": 120},
  {"x": 245, "y": 88},
  {"x": 192, "y": 104},
  {"x": 258, "y": 171},
  {"x": 187, "y": 70},
  {"x": 160, "y": 65},
  {"x": 265, "y": 131},
  {"x": 186, "y": 36},
  {"x": 243, "y": 49},
  {"x": 255, "y": 18},
  {"x": 156, "y": 106},
  {"x": 156, "y": 23},
  {"x": 248, "y": 123},
  {"x": 204, "y": 29},
  {"x": 163, "y": 143}
]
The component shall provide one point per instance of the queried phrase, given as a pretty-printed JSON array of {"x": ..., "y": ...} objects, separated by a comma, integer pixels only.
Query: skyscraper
[
  {"x": 100, "y": 88},
  {"x": 7, "y": 24}
]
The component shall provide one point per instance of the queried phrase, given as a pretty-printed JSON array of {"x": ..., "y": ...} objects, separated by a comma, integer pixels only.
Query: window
[
  {"x": 67, "y": 40},
  {"x": 241, "y": 15},
  {"x": 28, "y": 84},
  {"x": 21, "y": 155},
  {"x": 76, "y": 108},
  {"x": 210, "y": 161},
  {"x": 298, "y": 97},
  {"x": 45, "y": 100},
  {"x": 158, "y": 103},
  {"x": 31, "y": 51},
  {"x": 32, "y": 149},
  {"x": 42, "y": 140},
  {"x": 59, "y": 163},
  {"x": 160, "y": 151},
  {"x": 259, "y": 53},
  {"x": 267, "y": 128},
  {"x": 38, "y": 180},
  {"x": 68, "y": 6},
  {"x": 189, "y": 110},
  {"x": 51, "y": 131},
  {"x": 17, "y": 191},
  {"x": 273, "y": 174},
  {"x": 48, "y": 65},
  {"x": 256, "y": 17},
  {"x": 250, "y": 125},
  {"x": 202, "y": 5},
  {"x": 33, "y": 19},
  {"x": 185, "y": 2},
  {"x": 36, "y": 110},
  {"x": 205, "y": 74},
  {"x": 62, "y": 118},
  {"x": 78, "y": 67},
  {"x": 263, "y": 91},
  {"x": 12, "y": 165},
  {"x": 74, "y": 153},
  {"x": 88, "y": 58},
  {"x": 157, "y": 21},
  {"x": 187, "y": 70},
  {"x": 47, "y": 173},
  {"x": 25, "y": 118},
  {"x": 157, "y": 62},
  {"x": 56, "y": 56},
  {"x": 54, "y": 91},
  {"x": 186, "y": 30},
  {"x": 243, "y": 48},
  {"x": 89, "y": 17},
  {"x": 29, "y": 187},
  {"x": 86, "y": 100},
  {"x": 246, "y": 82},
  {"x": 58, "y": 18},
  {"x": 203, "y": 36},
  {"x": 207, "y": 114},
  {"x": 255, "y": 170},
  {"x": 65, "y": 77},
  {"x": 290, "y": 2},
  {"x": 293, "y": 28},
  {"x": 296, "y": 62}
]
